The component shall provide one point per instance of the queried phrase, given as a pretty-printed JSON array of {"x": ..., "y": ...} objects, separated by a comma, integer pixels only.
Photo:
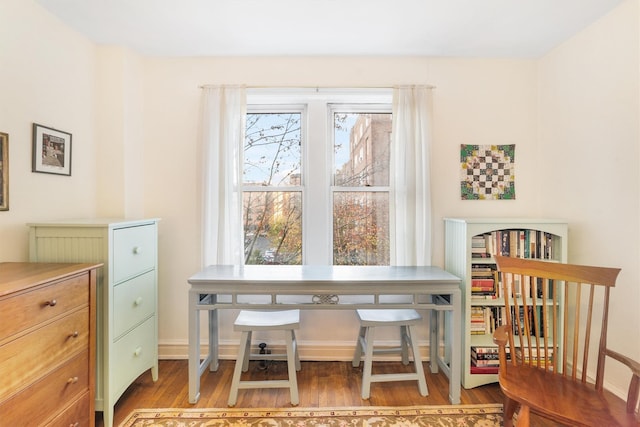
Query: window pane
[
  {"x": 361, "y": 144},
  {"x": 361, "y": 228},
  {"x": 272, "y": 149},
  {"x": 272, "y": 227}
]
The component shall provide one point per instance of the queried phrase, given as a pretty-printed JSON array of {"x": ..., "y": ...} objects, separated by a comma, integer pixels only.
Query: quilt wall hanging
[{"x": 487, "y": 172}]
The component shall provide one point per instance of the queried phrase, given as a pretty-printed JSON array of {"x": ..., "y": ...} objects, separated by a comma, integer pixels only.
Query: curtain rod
[{"x": 317, "y": 88}]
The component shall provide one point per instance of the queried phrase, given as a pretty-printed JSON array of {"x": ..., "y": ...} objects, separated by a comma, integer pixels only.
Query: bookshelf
[{"x": 469, "y": 246}]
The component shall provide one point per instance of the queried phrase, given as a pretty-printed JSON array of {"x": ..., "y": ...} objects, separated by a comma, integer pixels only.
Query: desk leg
[
  {"x": 456, "y": 347},
  {"x": 194, "y": 348},
  {"x": 433, "y": 341},
  {"x": 213, "y": 340}
]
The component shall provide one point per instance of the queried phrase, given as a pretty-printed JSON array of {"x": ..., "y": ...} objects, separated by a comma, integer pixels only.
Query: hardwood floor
[{"x": 320, "y": 384}]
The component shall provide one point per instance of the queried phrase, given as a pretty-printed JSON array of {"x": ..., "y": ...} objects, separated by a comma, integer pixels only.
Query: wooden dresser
[
  {"x": 127, "y": 336},
  {"x": 47, "y": 344}
]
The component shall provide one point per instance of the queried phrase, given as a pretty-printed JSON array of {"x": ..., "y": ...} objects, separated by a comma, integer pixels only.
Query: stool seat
[
  {"x": 388, "y": 317},
  {"x": 406, "y": 319},
  {"x": 248, "y": 321},
  {"x": 267, "y": 320}
]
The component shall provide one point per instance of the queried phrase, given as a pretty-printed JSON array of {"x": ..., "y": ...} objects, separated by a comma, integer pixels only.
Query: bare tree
[{"x": 272, "y": 159}]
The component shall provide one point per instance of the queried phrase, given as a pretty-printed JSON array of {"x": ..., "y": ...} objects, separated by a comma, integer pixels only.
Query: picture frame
[
  {"x": 4, "y": 171},
  {"x": 51, "y": 151}
]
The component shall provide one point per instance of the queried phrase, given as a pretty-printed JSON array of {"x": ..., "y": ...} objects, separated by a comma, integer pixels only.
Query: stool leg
[
  {"x": 247, "y": 353},
  {"x": 291, "y": 365},
  {"x": 357, "y": 354},
  {"x": 417, "y": 361},
  {"x": 404, "y": 344},
  {"x": 237, "y": 371},
  {"x": 368, "y": 360},
  {"x": 295, "y": 349}
]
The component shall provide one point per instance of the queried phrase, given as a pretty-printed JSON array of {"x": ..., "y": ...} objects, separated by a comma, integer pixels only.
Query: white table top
[{"x": 322, "y": 274}]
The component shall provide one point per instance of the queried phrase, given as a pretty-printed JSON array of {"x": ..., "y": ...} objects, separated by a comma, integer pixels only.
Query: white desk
[{"x": 326, "y": 287}]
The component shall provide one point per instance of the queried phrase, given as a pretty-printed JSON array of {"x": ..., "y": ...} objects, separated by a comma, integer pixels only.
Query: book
[
  {"x": 478, "y": 242},
  {"x": 542, "y": 359},
  {"x": 534, "y": 353},
  {"x": 483, "y": 369},
  {"x": 488, "y": 241},
  {"x": 482, "y": 283},
  {"x": 505, "y": 244},
  {"x": 479, "y": 357},
  {"x": 488, "y": 351},
  {"x": 514, "y": 242},
  {"x": 480, "y": 349},
  {"x": 485, "y": 363}
]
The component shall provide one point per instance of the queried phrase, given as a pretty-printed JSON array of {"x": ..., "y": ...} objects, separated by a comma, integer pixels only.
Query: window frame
[
  {"x": 317, "y": 142},
  {"x": 352, "y": 109}
]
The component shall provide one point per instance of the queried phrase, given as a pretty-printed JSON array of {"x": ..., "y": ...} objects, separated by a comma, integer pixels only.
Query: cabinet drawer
[
  {"x": 135, "y": 353},
  {"x": 28, "y": 309},
  {"x": 133, "y": 301},
  {"x": 41, "y": 401},
  {"x": 31, "y": 356},
  {"x": 134, "y": 251},
  {"x": 76, "y": 415}
]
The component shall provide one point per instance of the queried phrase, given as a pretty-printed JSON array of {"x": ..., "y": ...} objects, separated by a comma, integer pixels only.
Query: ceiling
[{"x": 468, "y": 28}]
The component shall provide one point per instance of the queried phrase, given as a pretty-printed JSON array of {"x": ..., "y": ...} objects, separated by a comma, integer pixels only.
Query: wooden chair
[{"x": 549, "y": 348}]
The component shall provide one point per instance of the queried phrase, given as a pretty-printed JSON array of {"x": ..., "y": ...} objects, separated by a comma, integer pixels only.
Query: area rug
[{"x": 406, "y": 416}]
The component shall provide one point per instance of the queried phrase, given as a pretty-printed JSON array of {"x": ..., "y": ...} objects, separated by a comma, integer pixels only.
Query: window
[
  {"x": 316, "y": 178},
  {"x": 272, "y": 190},
  {"x": 361, "y": 187}
]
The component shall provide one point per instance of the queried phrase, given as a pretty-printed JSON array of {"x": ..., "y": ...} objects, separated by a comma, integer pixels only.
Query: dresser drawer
[
  {"x": 29, "y": 309},
  {"x": 135, "y": 352},
  {"x": 134, "y": 251},
  {"x": 76, "y": 415},
  {"x": 42, "y": 400},
  {"x": 25, "y": 359},
  {"x": 134, "y": 301}
]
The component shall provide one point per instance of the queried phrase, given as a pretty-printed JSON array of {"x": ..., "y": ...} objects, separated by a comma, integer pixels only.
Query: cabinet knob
[
  {"x": 76, "y": 424},
  {"x": 72, "y": 380},
  {"x": 51, "y": 303},
  {"x": 74, "y": 334},
  {"x": 137, "y": 250},
  {"x": 138, "y": 301},
  {"x": 137, "y": 352}
]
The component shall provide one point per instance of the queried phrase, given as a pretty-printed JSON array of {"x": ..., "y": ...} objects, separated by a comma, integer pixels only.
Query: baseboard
[{"x": 319, "y": 351}]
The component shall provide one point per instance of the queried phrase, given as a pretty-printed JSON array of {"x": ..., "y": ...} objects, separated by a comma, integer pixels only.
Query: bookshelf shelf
[{"x": 469, "y": 246}]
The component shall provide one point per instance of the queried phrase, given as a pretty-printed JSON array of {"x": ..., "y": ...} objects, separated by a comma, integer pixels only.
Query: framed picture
[
  {"x": 51, "y": 151},
  {"x": 4, "y": 171}
]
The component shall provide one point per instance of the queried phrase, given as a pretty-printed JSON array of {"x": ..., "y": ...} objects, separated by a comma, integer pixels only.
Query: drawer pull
[
  {"x": 76, "y": 424},
  {"x": 72, "y": 380},
  {"x": 51, "y": 303},
  {"x": 74, "y": 334},
  {"x": 138, "y": 301},
  {"x": 137, "y": 352},
  {"x": 137, "y": 250}
]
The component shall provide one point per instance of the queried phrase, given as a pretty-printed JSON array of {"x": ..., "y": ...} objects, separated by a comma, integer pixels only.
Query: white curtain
[
  {"x": 223, "y": 121},
  {"x": 410, "y": 176}
]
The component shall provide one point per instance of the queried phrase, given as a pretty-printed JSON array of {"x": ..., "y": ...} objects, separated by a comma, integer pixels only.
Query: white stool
[
  {"x": 369, "y": 320},
  {"x": 249, "y": 321}
]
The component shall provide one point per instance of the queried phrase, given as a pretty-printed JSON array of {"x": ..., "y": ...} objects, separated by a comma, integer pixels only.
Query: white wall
[
  {"x": 47, "y": 76},
  {"x": 120, "y": 133},
  {"x": 482, "y": 101},
  {"x": 134, "y": 122},
  {"x": 589, "y": 151},
  {"x": 476, "y": 101}
]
